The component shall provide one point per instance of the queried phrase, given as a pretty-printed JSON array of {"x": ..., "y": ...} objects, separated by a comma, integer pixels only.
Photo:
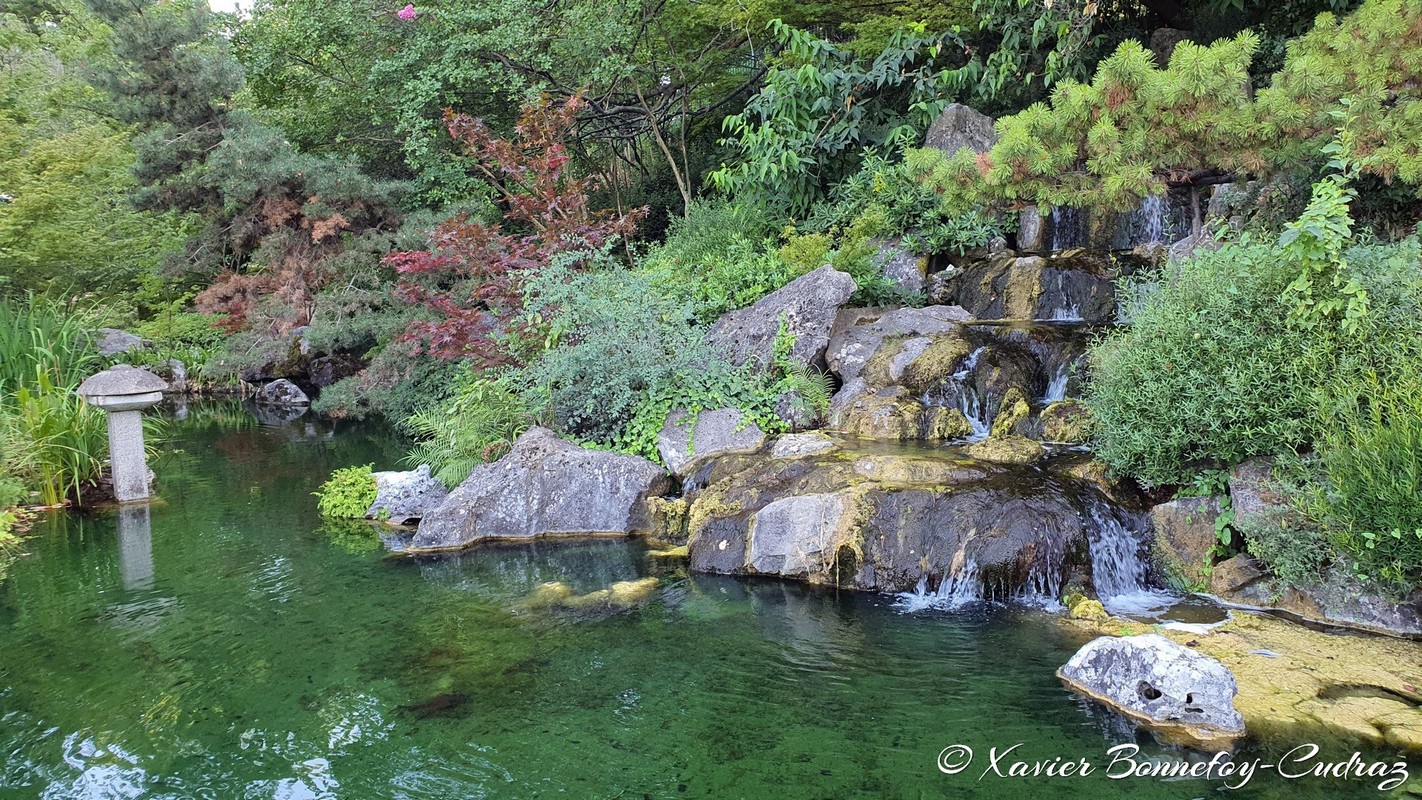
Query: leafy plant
[
  {"x": 1208, "y": 374},
  {"x": 348, "y": 493},
  {"x": 823, "y": 103},
  {"x": 480, "y": 424}
]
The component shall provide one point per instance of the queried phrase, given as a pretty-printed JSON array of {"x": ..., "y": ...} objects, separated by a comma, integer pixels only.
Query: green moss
[{"x": 1013, "y": 411}]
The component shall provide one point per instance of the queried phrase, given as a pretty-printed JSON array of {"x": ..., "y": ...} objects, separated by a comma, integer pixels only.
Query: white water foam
[{"x": 955, "y": 591}]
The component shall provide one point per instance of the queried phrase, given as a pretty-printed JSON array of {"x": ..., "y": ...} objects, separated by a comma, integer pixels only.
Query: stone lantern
[{"x": 123, "y": 392}]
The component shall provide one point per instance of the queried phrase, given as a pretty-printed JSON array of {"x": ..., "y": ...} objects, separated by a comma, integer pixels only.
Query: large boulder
[
  {"x": 850, "y": 349},
  {"x": 113, "y": 342},
  {"x": 1006, "y": 286},
  {"x": 281, "y": 393},
  {"x": 1187, "y": 695},
  {"x": 959, "y": 126},
  {"x": 715, "y": 432},
  {"x": 402, "y": 497},
  {"x": 866, "y": 519},
  {"x": 545, "y": 486},
  {"x": 806, "y": 307},
  {"x": 1184, "y": 538}
]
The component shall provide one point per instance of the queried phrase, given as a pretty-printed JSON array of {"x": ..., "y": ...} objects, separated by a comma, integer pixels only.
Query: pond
[{"x": 229, "y": 645}]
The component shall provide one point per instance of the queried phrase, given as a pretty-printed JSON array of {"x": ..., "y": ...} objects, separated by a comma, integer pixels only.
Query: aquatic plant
[
  {"x": 51, "y": 441},
  {"x": 348, "y": 493}
]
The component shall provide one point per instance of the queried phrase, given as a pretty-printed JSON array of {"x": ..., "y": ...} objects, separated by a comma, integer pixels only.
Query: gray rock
[
  {"x": 716, "y": 432},
  {"x": 959, "y": 126},
  {"x": 113, "y": 342},
  {"x": 281, "y": 392},
  {"x": 545, "y": 486},
  {"x": 1160, "y": 683},
  {"x": 401, "y": 497},
  {"x": 1031, "y": 231},
  {"x": 1192, "y": 245},
  {"x": 1184, "y": 534},
  {"x": 1234, "y": 574},
  {"x": 886, "y": 521},
  {"x": 899, "y": 266},
  {"x": 798, "y": 445},
  {"x": 1163, "y": 42},
  {"x": 175, "y": 373},
  {"x": 799, "y": 536},
  {"x": 806, "y": 305},
  {"x": 852, "y": 348}
]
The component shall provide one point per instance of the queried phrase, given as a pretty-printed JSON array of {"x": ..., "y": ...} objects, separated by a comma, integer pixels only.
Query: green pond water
[{"x": 236, "y": 648}]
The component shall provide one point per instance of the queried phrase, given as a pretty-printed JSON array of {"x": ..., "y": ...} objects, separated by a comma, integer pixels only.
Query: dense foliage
[{"x": 1304, "y": 344}]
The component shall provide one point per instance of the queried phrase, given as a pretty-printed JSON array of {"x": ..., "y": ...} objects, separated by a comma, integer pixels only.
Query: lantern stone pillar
[{"x": 123, "y": 392}]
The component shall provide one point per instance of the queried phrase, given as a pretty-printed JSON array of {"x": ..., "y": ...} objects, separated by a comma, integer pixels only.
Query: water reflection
[{"x": 135, "y": 535}]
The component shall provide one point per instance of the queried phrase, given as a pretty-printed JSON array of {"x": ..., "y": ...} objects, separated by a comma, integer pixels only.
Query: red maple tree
[{"x": 473, "y": 273}]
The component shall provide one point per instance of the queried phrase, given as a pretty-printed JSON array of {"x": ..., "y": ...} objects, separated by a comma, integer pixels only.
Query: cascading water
[
  {"x": 1118, "y": 570},
  {"x": 958, "y": 392},
  {"x": 1057, "y": 387},
  {"x": 1063, "y": 309},
  {"x": 1068, "y": 228},
  {"x": 954, "y": 591}
]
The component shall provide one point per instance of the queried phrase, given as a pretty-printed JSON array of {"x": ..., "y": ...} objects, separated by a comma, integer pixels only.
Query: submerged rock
[
  {"x": 403, "y": 497},
  {"x": 1149, "y": 678},
  {"x": 545, "y": 486},
  {"x": 281, "y": 393},
  {"x": 806, "y": 307},
  {"x": 1007, "y": 450},
  {"x": 797, "y": 445},
  {"x": 715, "y": 432}
]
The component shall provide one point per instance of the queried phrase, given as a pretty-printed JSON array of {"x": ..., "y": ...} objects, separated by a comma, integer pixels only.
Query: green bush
[
  {"x": 717, "y": 259},
  {"x": 1208, "y": 374},
  {"x": 1296, "y": 554},
  {"x": 478, "y": 425},
  {"x": 348, "y": 493}
]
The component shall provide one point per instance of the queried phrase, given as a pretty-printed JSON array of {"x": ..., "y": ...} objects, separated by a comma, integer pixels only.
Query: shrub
[
  {"x": 348, "y": 493},
  {"x": 1209, "y": 373},
  {"x": 480, "y": 424},
  {"x": 1296, "y": 554}
]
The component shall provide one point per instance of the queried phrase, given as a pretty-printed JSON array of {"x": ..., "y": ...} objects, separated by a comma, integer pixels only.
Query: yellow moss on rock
[
  {"x": 1297, "y": 684},
  {"x": 1013, "y": 410}
]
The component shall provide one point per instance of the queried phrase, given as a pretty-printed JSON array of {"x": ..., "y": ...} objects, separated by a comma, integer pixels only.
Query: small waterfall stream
[{"x": 1118, "y": 564}]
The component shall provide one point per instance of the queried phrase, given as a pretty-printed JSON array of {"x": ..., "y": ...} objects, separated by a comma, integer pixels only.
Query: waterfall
[
  {"x": 958, "y": 392},
  {"x": 1057, "y": 388},
  {"x": 1063, "y": 310},
  {"x": 954, "y": 591},
  {"x": 1068, "y": 228},
  {"x": 1118, "y": 569},
  {"x": 1152, "y": 220}
]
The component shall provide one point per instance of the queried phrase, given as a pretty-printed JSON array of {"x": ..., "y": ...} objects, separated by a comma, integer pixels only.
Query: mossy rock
[
  {"x": 936, "y": 363},
  {"x": 1066, "y": 421},
  {"x": 1007, "y": 450},
  {"x": 891, "y": 414},
  {"x": 946, "y": 423},
  {"x": 668, "y": 518},
  {"x": 1011, "y": 414}
]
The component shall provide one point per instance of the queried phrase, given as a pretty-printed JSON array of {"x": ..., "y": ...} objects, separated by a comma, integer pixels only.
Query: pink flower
[{"x": 406, "y": 13}]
